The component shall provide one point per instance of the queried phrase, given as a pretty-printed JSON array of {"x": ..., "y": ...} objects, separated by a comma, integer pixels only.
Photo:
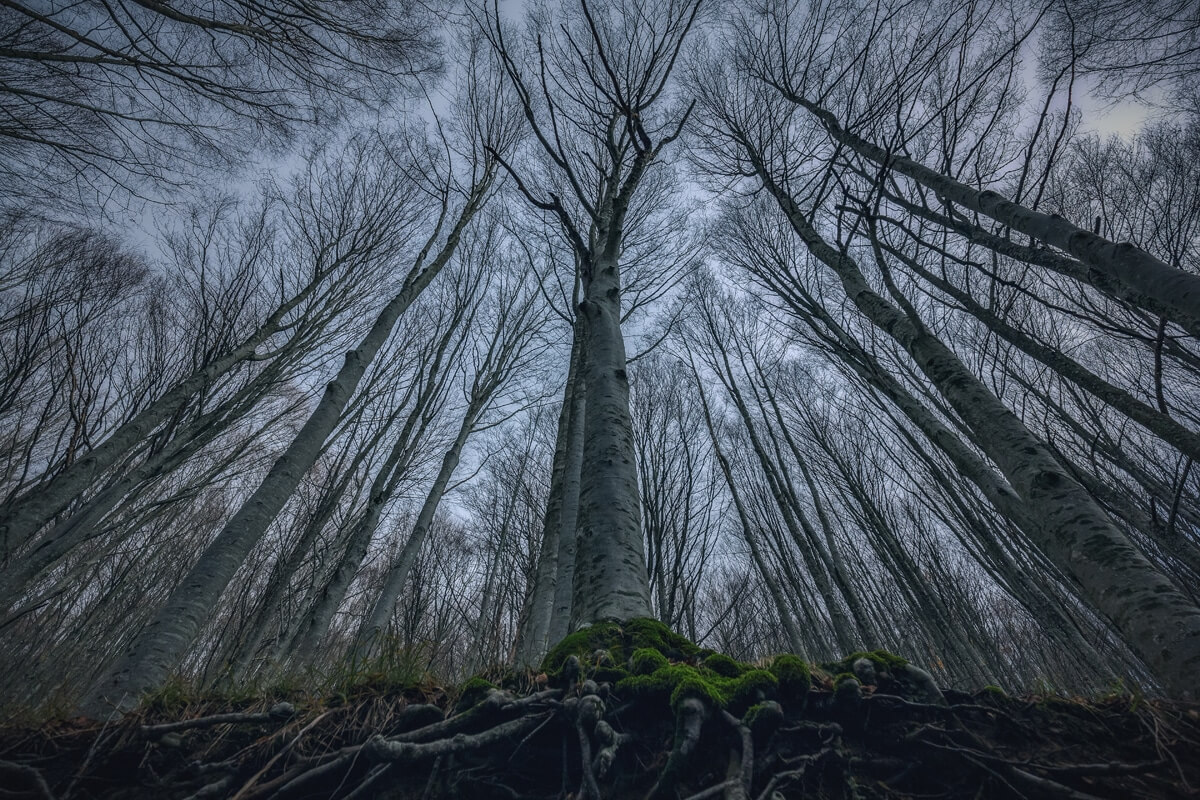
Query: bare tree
[
  {"x": 599, "y": 113},
  {"x": 163, "y": 642},
  {"x": 132, "y": 93}
]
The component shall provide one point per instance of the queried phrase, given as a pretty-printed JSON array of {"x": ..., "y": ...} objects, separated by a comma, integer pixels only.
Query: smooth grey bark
[
  {"x": 66, "y": 534},
  {"x": 610, "y": 580},
  {"x": 487, "y": 600},
  {"x": 508, "y": 349},
  {"x": 241, "y": 662},
  {"x": 1037, "y": 588},
  {"x": 155, "y": 650},
  {"x": 369, "y": 636},
  {"x": 533, "y": 637},
  {"x": 965, "y": 460},
  {"x": 568, "y": 522},
  {"x": 1175, "y": 291},
  {"x": 1158, "y": 423},
  {"x": 796, "y": 522},
  {"x": 1052, "y": 260},
  {"x": 301, "y": 647},
  {"x": 1155, "y": 618},
  {"x": 598, "y": 146}
]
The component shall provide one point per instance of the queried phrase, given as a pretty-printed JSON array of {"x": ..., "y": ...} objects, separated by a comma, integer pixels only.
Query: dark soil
[{"x": 530, "y": 741}]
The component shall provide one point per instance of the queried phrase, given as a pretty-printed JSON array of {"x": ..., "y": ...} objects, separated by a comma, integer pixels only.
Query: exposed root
[
  {"x": 278, "y": 712},
  {"x": 837, "y": 742}
]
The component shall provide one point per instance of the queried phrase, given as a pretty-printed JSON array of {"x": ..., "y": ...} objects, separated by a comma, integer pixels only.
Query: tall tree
[
  {"x": 600, "y": 114},
  {"x": 156, "y": 649}
]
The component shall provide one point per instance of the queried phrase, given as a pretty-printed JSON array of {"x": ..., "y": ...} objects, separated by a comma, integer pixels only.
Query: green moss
[
  {"x": 172, "y": 696},
  {"x": 675, "y": 682},
  {"x": 763, "y": 719},
  {"x": 844, "y": 677},
  {"x": 725, "y": 666},
  {"x": 662, "y": 681},
  {"x": 994, "y": 691},
  {"x": 582, "y": 643},
  {"x": 693, "y": 685},
  {"x": 608, "y": 674},
  {"x": 473, "y": 692},
  {"x": 646, "y": 660},
  {"x": 881, "y": 659},
  {"x": 645, "y": 632},
  {"x": 793, "y": 675},
  {"x": 619, "y": 641},
  {"x": 751, "y": 688}
]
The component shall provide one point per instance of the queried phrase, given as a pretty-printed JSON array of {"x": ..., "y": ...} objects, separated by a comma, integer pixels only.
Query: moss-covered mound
[{"x": 613, "y": 643}]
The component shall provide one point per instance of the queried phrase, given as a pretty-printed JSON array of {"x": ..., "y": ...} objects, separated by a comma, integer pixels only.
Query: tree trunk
[
  {"x": 158, "y": 648},
  {"x": 23, "y": 517},
  {"x": 568, "y": 523},
  {"x": 795, "y": 640},
  {"x": 610, "y": 580},
  {"x": 1172, "y": 289},
  {"x": 533, "y": 635},
  {"x": 377, "y": 622},
  {"x": 1157, "y": 620}
]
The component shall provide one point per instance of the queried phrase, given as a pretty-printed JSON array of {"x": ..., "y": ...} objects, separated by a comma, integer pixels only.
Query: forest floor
[{"x": 644, "y": 715}]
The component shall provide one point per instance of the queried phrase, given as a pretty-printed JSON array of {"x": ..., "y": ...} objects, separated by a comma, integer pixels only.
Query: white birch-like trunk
[
  {"x": 1161, "y": 624},
  {"x": 381, "y": 613},
  {"x": 610, "y": 580},
  {"x": 1158, "y": 423},
  {"x": 40, "y": 556},
  {"x": 23, "y": 517},
  {"x": 155, "y": 650},
  {"x": 1173, "y": 290},
  {"x": 795, "y": 640},
  {"x": 532, "y": 640}
]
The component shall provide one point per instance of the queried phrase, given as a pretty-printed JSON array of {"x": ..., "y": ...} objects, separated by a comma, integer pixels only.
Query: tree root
[
  {"x": 629, "y": 747},
  {"x": 278, "y": 712}
]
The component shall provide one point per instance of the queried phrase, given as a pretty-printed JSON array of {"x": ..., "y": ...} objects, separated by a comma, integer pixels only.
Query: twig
[
  {"x": 281, "y": 711},
  {"x": 714, "y": 790},
  {"x": 375, "y": 774},
  {"x": 806, "y": 762},
  {"x": 286, "y": 749}
]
